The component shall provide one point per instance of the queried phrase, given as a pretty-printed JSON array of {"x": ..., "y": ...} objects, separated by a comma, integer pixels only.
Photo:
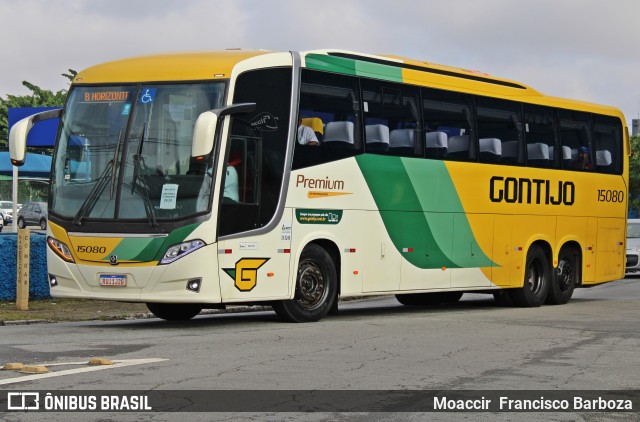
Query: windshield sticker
[
  {"x": 265, "y": 122},
  {"x": 148, "y": 95},
  {"x": 126, "y": 109},
  {"x": 306, "y": 216},
  {"x": 169, "y": 197}
]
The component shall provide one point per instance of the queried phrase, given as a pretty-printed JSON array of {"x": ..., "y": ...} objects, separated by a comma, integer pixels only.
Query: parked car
[
  {"x": 33, "y": 214},
  {"x": 633, "y": 246},
  {"x": 6, "y": 210}
]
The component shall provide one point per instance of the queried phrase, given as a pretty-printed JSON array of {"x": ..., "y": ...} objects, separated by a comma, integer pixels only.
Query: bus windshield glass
[{"x": 124, "y": 153}]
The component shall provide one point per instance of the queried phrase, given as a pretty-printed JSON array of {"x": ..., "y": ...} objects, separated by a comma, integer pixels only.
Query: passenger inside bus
[
  {"x": 231, "y": 185},
  {"x": 583, "y": 162},
  {"x": 306, "y": 134}
]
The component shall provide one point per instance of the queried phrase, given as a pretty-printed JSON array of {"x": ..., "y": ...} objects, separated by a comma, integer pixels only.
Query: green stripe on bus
[
  {"x": 420, "y": 208},
  {"x": 149, "y": 249},
  {"x": 353, "y": 67}
]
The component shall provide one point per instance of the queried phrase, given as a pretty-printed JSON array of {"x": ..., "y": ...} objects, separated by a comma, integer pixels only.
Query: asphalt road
[{"x": 592, "y": 343}]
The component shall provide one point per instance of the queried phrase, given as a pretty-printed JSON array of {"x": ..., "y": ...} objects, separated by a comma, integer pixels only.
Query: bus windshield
[{"x": 124, "y": 153}]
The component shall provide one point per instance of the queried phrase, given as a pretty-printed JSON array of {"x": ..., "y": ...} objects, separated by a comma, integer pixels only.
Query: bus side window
[
  {"x": 540, "y": 133},
  {"x": 334, "y": 101},
  {"x": 608, "y": 144},
  {"x": 575, "y": 140},
  {"x": 499, "y": 124},
  {"x": 448, "y": 125},
  {"x": 392, "y": 119}
]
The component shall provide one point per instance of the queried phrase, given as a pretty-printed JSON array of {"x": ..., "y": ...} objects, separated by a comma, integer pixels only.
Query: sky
[{"x": 581, "y": 49}]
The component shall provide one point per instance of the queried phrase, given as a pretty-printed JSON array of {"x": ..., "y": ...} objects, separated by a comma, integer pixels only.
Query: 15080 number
[
  {"x": 605, "y": 195},
  {"x": 92, "y": 249}
]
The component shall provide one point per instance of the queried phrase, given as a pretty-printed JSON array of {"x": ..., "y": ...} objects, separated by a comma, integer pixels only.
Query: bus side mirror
[
  {"x": 204, "y": 132},
  {"x": 20, "y": 132}
]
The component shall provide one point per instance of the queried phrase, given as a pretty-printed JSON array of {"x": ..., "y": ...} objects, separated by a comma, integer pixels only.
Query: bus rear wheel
[
  {"x": 426, "y": 299},
  {"x": 537, "y": 278},
  {"x": 316, "y": 288},
  {"x": 174, "y": 311},
  {"x": 565, "y": 277}
]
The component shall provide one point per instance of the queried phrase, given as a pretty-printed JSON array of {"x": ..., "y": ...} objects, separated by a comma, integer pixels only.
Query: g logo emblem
[
  {"x": 245, "y": 274},
  {"x": 113, "y": 260}
]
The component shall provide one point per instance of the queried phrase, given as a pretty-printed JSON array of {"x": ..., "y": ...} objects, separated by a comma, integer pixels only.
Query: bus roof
[
  {"x": 167, "y": 67},
  {"x": 219, "y": 64}
]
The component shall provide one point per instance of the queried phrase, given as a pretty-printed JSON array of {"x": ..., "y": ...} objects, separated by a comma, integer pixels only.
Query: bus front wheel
[
  {"x": 537, "y": 278},
  {"x": 174, "y": 311},
  {"x": 316, "y": 288}
]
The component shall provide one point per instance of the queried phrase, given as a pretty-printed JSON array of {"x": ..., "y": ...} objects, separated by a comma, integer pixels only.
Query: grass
[{"x": 71, "y": 310}]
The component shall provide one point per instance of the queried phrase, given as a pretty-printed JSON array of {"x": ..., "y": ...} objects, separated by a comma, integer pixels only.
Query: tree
[
  {"x": 39, "y": 98},
  {"x": 634, "y": 173}
]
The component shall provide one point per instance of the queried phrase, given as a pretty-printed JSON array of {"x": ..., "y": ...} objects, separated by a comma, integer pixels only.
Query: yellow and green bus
[{"x": 200, "y": 180}]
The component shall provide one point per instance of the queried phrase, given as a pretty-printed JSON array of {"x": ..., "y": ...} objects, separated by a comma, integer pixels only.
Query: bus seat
[
  {"x": 436, "y": 144},
  {"x": 377, "y": 138},
  {"x": 339, "y": 134},
  {"x": 538, "y": 154},
  {"x": 490, "y": 150},
  {"x": 401, "y": 142},
  {"x": 603, "y": 159},
  {"x": 510, "y": 152},
  {"x": 574, "y": 153},
  {"x": 338, "y": 140},
  {"x": 458, "y": 147},
  {"x": 566, "y": 155}
]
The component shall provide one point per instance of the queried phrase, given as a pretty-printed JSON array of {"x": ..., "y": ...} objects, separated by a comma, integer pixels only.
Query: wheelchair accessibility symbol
[{"x": 147, "y": 96}]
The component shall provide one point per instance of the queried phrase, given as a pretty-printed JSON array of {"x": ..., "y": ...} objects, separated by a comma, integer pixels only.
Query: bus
[{"x": 182, "y": 181}]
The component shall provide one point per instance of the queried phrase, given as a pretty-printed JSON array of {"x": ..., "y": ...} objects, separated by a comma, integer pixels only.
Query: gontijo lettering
[{"x": 529, "y": 191}]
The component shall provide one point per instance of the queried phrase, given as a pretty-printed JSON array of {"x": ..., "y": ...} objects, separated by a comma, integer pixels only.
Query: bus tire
[
  {"x": 316, "y": 287},
  {"x": 565, "y": 277},
  {"x": 426, "y": 299},
  {"x": 174, "y": 311},
  {"x": 537, "y": 278}
]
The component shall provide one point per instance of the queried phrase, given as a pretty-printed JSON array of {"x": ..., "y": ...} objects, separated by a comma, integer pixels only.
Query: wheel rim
[
  {"x": 535, "y": 280},
  {"x": 312, "y": 286},
  {"x": 566, "y": 274}
]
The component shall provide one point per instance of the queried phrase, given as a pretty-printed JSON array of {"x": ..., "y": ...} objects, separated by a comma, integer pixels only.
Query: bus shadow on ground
[{"x": 351, "y": 309}]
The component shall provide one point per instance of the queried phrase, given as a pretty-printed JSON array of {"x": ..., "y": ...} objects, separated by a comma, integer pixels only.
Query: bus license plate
[{"x": 113, "y": 280}]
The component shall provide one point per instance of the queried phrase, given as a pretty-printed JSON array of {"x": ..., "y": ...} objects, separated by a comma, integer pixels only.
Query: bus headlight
[
  {"x": 178, "y": 251},
  {"x": 60, "y": 249}
]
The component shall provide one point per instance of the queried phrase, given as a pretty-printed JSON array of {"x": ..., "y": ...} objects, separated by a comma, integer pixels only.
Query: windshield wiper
[
  {"x": 138, "y": 161},
  {"x": 94, "y": 194},
  {"x": 103, "y": 180}
]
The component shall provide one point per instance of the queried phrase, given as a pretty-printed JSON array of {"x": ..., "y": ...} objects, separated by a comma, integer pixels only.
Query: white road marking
[{"x": 116, "y": 364}]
